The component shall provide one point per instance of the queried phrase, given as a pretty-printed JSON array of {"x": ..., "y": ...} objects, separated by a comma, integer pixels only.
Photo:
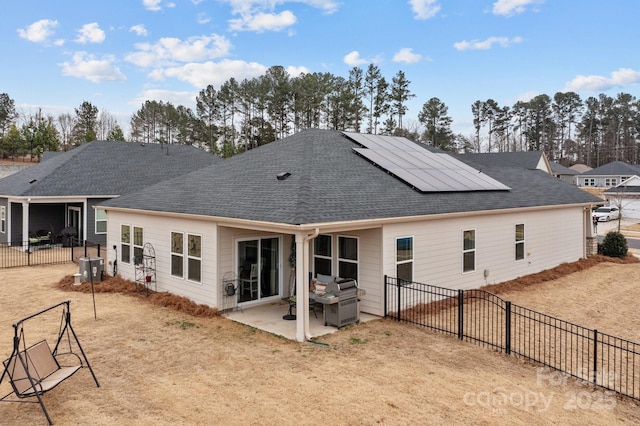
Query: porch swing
[{"x": 34, "y": 370}]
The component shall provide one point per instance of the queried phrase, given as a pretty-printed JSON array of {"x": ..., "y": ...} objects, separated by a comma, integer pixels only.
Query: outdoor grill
[{"x": 347, "y": 310}]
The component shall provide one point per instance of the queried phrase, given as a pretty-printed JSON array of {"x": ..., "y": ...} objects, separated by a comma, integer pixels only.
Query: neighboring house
[
  {"x": 349, "y": 205},
  {"x": 9, "y": 169},
  {"x": 531, "y": 160},
  {"x": 608, "y": 175},
  {"x": 564, "y": 173},
  {"x": 580, "y": 168},
  {"x": 60, "y": 192},
  {"x": 626, "y": 196}
]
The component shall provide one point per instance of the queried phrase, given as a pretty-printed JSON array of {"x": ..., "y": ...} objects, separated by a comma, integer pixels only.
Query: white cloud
[
  {"x": 85, "y": 65},
  {"x": 215, "y": 73},
  {"x": 153, "y": 5},
  {"x": 596, "y": 83},
  {"x": 407, "y": 56},
  {"x": 90, "y": 33},
  {"x": 353, "y": 59},
  {"x": 424, "y": 9},
  {"x": 297, "y": 71},
  {"x": 156, "y": 5},
  {"x": 261, "y": 15},
  {"x": 487, "y": 44},
  {"x": 522, "y": 97},
  {"x": 513, "y": 7},
  {"x": 261, "y": 22},
  {"x": 39, "y": 31},
  {"x": 170, "y": 50},
  {"x": 203, "y": 18},
  {"x": 139, "y": 30},
  {"x": 176, "y": 98}
]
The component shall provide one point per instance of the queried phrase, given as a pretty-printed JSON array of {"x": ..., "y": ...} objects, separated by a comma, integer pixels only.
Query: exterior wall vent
[{"x": 283, "y": 175}]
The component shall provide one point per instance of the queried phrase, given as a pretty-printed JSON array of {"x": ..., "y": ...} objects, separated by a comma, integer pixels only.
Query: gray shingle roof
[
  {"x": 559, "y": 169},
  {"x": 329, "y": 182},
  {"x": 105, "y": 168},
  {"x": 615, "y": 168}
]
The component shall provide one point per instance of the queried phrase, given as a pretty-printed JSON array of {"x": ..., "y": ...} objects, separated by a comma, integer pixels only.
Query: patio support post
[
  {"x": 25, "y": 224},
  {"x": 302, "y": 302}
]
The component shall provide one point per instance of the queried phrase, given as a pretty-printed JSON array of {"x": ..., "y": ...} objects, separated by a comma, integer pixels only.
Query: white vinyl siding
[
  {"x": 156, "y": 233},
  {"x": 438, "y": 246}
]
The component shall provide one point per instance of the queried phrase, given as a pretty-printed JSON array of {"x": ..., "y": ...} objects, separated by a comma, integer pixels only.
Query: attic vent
[
  {"x": 33, "y": 180},
  {"x": 283, "y": 175}
]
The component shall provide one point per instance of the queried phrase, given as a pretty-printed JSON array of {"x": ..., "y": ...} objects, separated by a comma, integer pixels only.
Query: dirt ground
[{"x": 159, "y": 365}]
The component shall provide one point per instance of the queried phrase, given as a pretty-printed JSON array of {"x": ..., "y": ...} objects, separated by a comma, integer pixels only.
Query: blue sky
[{"x": 116, "y": 54}]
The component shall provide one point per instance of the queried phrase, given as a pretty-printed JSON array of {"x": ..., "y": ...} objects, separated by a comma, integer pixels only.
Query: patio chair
[{"x": 250, "y": 284}]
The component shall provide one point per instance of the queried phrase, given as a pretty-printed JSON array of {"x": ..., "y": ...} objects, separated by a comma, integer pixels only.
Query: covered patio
[{"x": 268, "y": 317}]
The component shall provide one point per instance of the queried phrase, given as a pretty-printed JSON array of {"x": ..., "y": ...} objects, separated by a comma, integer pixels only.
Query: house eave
[{"x": 337, "y": 226}]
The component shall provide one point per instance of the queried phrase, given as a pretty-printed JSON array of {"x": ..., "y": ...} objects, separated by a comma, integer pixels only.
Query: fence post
[
  {"x": 386, "y": 292},
  {"x": 28, "y": 252},
  {"x": 595, "y": 357},
  {"x": 507, "y": 328},
  {"x": 398, "y": 281},
  {"x": 460, "y": 314}
]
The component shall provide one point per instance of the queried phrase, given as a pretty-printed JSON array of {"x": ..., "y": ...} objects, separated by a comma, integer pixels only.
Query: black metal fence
[
  {"x": 26, "y": 253},
  {"x": 486, "y": 319}
]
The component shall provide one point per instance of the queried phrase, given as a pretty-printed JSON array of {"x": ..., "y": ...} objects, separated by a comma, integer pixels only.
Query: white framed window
[
  {"x": 608, "y": 182},
  {"x": 125, "y": 243},
  {"x": 322, "y": 255},
  {"x": 404, "y": 259},
  {"x": 519, "y": 241},
  {"x": 177, "y": 254},
  {"x": 3, "y": 219},
  {"x": 194, "y": 258},
  {"x": 138, "y": 243},
  {"x": 101, "y": 221},
  {"x": 469, "y": 250},
  {"x": 348, "y": 257},
  {"x": 589, "y": 182}
]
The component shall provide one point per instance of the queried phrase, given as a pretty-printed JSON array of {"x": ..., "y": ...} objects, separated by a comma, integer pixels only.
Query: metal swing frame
[{"x": 24, "y": 362}]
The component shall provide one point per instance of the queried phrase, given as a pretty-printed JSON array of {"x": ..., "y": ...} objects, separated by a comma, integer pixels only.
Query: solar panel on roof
[{"x": 421, "y": 169}]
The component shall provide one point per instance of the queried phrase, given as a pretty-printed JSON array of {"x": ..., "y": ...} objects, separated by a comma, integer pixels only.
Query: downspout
[{"x": 302, "y": 286}]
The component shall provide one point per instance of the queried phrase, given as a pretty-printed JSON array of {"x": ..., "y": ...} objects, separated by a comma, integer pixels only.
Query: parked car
[{"x": 605, "y": 214}]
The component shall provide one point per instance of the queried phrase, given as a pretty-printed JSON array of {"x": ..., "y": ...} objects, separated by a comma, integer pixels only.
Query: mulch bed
[
  {"x": 555, "y": 273},
  {"x": 181, "y": 304},
  {"x": 119, "y": 285}
]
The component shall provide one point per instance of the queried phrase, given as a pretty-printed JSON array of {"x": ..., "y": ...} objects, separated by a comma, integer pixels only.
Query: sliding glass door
[{"x": 258, "y": 268}]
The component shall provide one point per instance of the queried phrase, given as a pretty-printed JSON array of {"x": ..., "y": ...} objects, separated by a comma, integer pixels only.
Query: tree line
[{"x": 242, "y": 115}]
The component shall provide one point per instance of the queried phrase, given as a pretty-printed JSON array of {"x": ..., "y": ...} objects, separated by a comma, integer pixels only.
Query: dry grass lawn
[{"x": 157, "y": 365}]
